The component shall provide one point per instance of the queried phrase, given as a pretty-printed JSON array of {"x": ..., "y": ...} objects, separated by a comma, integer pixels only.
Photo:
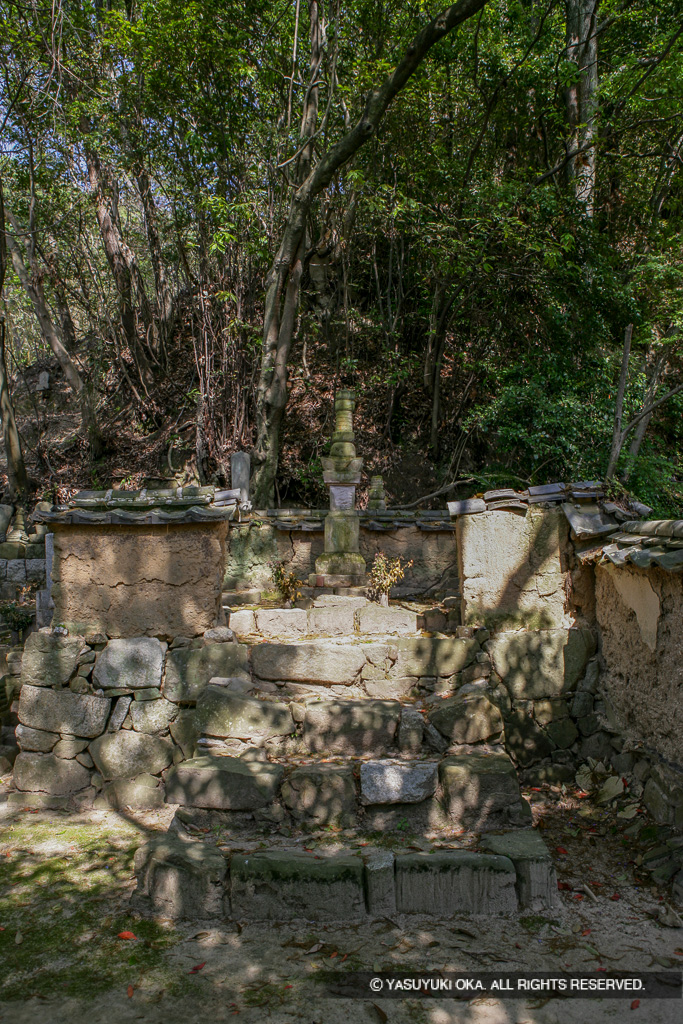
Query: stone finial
[
  {"x": 344, "y": 437},
  {"x": 376, "y": 495}
]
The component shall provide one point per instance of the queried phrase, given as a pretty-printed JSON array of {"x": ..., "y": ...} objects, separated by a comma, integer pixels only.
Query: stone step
[
  {"x": 351, "y": 616},
  {"x": 473, "y": 789},
  {"x": 193, "y": 880}
]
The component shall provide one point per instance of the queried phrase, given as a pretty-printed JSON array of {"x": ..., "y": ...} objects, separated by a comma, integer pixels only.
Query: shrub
[
  {"x": 287, "y": 583},
  {"x": 385, "y": 572}
]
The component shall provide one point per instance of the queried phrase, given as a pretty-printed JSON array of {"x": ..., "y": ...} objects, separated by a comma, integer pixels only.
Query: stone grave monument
[{"x": 341, "y": 564}]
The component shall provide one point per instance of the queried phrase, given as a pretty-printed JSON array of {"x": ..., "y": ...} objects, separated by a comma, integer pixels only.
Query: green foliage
[
  {"x": 18, "y": 617},
  {"x": 286, "y": 582},
  {"x": 385, "y": 572}
]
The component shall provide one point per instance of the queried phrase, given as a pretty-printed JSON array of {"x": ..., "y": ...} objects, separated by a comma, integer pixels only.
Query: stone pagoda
[{"x": 341, "y": 565}]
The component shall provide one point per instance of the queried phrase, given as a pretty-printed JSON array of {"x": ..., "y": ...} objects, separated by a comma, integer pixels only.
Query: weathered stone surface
[
  {"x": 339, "y": 601},
  {"x": 49, "y": 774},
  {"x": 220, "y": 712},
  {"x": 219, "y": 635},
  {"x": 332, "y": 620},
  {"x": 152, "y": 716},
  {"x": 279, "y": 886},
  {"x": 121, "y": 755},
  {"x": 380, "y": 888},
  {"x": 480, "y": 788},
  {"x": 68, "y": 747},
  {"x": 145, "y": 581},
  {"x": 188, "y": 671},
  {"x": 410, "y": 731},
  {"x": 183, "y": 880},
  {"x": 35, "y": 739},
  {"x": 513, "y": 566},
  {"x": 63, "y": 711},
  {"x": 390, "y": 621},
  {"x": 142, "y": 791},
  {"x": 223, "y": 783},
  {"x": 542, "y": 663},
  {"x": 308, "y": 663},
  {"x": 118, "y": 715},
  {"x": 387, "y": 782},
  {"x": 467, "y": 718},
  {"x": 434, "y": 656},
  {"x": 184, "y": 732},
  {"x": 323, "y": 793},
  {"x": 562, "y": 733},
  {"x": 135, "y": 664},
  {"x": 242, "y": 622},
  {"x": 147, "y": 693},
  {"x": 281, "y": 622},
  {"x": 49, "y": 660},
  {"x": 455, "y": 882},
  {"x": 536, "y": 880},
  {"x": 524, "y": 739},
  {"x": 351, "y": 727}
]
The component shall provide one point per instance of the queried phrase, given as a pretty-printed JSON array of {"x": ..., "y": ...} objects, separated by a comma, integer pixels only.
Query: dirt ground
[{"x": 74, "y": 948}]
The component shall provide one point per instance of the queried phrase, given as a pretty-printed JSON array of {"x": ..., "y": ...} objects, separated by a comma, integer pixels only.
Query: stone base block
[
  {"x": 278, "y": 886},
  {"x": 536, "y": 879},
  {"x": 338, "y": 581},
  {"x": 446, "y": 883},
  {"x": 183, "y": 880},
  {"x": 224, "y": 783},
  {"x": 351, "y": 726},
  {"x": 321, "y": 793},
  {"x": 481, "y": 790}
]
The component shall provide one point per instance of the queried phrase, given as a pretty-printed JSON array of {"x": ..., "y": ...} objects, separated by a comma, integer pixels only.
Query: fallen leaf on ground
[
  {"x": 18, "y": 938},
  {"x": 130, "y": 991},
  {"x": 380, "y": 1013},
  {"x": 126, "y": 935},
  {"x": 197, "y": 967},
  {"x": 314, "y": 949},
  {"x": 561, "y": 849},
  {"x": 635, "y": 1004}
]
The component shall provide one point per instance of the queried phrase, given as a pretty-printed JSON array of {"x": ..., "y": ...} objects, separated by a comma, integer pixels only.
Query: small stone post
[
  {"x": 376, "y": 496},
  {"x": 342, "y": 564},
  {"x": 240, "y": 472}
]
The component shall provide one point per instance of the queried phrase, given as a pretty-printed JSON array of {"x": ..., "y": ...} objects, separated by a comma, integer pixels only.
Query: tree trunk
[
  {"x": 124, "y": 268},
  {"x": 16, "y": 468},
  {"x": 51, "y": 335},
  {"x": 282, "y": 285},
  {"x": 163, "y": 289},
  {"x": 581, "y": 97}
]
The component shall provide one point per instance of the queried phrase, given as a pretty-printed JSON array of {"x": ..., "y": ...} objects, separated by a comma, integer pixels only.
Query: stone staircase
[{"x": 346, "y": 720}]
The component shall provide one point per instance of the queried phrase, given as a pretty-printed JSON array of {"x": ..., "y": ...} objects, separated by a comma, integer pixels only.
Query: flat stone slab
[
  {"x": 188, "y": 671},
  {"x": 49, "y": 660},
  {"x": 435, "y": 656},
  {"x": 134, "y": 664},
  {"x": 222, "y": 712},
  {"x": 46, "y": 773},
  {"x": 281, "y": 622},
  {"x": 243, "y": 622},
  {"x": 223, "y": 783},
  {"x": 541, "y": 663},
  {"x": 480, "y": 788},
  {"x": 339, "y": 601},
  {"x": 323, "y": 793},
  {"x": 392, "y": 621},
  {"x": 536, "y": 879},
  {"x": 279, "y": 886},
  {"x": 391, "y": 782},
  {"x": 307, "y": 663},
  {"x": 351, "y": 726},
  {"x": 444, "y": 883},
  {"x": 332, "y": 620},
  {"x": 467, "y": 718},
  {"x": 124, "y": 754},
  {"x": 62, "y": 711},
  {"x": 182, "y": 880}
]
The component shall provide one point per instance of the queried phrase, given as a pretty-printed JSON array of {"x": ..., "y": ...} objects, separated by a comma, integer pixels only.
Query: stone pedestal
[{"x": 341, "y": 564}]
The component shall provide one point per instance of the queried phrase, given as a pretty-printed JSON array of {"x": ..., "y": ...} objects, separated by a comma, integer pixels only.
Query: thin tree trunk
[
  {"x": 282, "y": 284},
  {"x": 16, "y": 467},
  {"x": 52, "y": 336},
  {"x": 163, "y": 288},
  {"x": 581, "y": 97},
  {"x": 617, "y": 434}
]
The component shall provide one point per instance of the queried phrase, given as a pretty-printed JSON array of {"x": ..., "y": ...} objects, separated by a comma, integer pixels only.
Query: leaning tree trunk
[{"x": 284, "y": 277}]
